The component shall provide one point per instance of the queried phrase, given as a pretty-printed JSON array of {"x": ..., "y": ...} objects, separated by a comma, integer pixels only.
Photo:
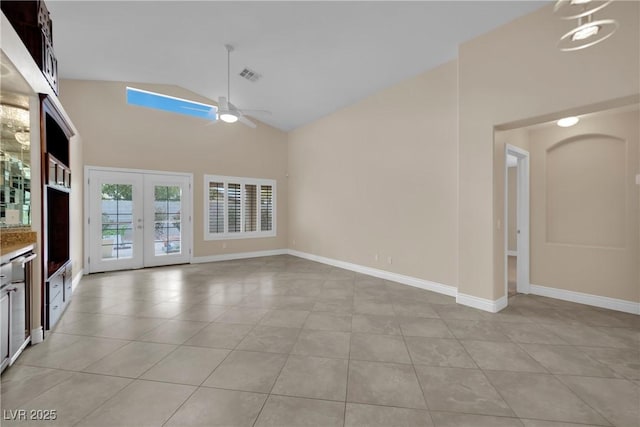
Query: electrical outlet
[
  {"x": 294, "y": 242},
  {"x": 224, "y": 246},
  {"x": 375, "y": 257},
  {"x": 638, "y": 179},
  {"x": 389, "y": 260}
]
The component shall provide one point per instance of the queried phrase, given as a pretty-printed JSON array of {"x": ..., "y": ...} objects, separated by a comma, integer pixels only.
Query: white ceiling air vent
[{"x": 249, "y": 74}]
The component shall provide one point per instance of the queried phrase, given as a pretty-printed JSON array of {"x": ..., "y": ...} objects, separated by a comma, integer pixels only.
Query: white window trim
[{"x": 226, "y": 180}]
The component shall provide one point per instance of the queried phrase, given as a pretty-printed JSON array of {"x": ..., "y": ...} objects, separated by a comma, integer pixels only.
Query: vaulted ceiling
[{"x": 313, "y": 57}]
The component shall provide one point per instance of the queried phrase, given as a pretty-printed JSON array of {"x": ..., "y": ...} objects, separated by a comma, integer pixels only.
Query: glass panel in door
[
  {"x": 167, "y": 229},
  {"x": 115, "y": 221},
  {"x": 168, "y": 219}
]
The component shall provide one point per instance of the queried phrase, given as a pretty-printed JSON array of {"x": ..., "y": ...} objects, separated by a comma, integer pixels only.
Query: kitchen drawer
[
  {"x": 67, "y": 287},
  {"x": 55, "y": 308},
  {"x": 5, "y": 274},
  {"x": 55, "y": 286}
]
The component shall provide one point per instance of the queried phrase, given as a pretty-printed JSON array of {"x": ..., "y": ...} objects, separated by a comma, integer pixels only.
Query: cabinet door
[
  {"x": 18, "y": 318},
  {"x": 68, "y": 283},
  {"x": 4, "y": 330}
]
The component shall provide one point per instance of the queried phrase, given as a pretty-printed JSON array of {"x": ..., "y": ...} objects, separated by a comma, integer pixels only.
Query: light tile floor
[{"x": 281, "y": 341}]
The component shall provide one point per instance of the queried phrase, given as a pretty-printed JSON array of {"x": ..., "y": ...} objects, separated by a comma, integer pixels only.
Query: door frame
[
  {"x": 87, "y": 201},
  {"x": 523, "y": 281}
]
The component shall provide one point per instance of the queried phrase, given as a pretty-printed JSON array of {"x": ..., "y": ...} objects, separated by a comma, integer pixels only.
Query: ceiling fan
[{"x": 225, "y": 111}]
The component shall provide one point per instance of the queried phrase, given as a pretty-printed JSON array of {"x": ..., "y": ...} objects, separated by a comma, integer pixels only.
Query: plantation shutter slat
[
  {"x": 216, "y": 207},
  {"x": 250, "y": 208},
  {"x": 233, "y": 210},
  {"x": 266, "y": 208}
]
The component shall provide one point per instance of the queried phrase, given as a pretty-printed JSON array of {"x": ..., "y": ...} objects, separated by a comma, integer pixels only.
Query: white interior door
[
  {"x": 115, "y": 221},
  {"x": 137, "y": 219},
  {"x": 167, "y": 232}
]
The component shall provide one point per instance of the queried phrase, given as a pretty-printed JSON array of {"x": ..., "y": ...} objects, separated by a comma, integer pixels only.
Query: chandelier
[{"x": 588, "y": 31}]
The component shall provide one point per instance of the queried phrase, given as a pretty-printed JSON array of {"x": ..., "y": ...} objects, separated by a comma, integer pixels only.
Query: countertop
[{"x": 14, "y": 250}]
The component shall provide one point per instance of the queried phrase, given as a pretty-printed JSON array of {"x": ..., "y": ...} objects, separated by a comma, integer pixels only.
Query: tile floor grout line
[
  {"x": 278, "y": 376},
  {"x": 105, "y": 402},
  {"x": 346, "y": 391},
  {"x": 195, "y": 390},
  {"x": 604, "y": 417},
  {"x": 488, "y": 379}
]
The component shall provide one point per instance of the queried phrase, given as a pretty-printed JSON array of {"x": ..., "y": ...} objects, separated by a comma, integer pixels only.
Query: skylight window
[{"x": 171, "y": 104}]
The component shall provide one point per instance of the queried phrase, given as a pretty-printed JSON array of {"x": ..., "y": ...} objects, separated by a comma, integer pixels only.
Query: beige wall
[
  {"x": 516, "y": 73},
  {"x": 76, "y": 238},
  {"x": 584, "y": 206},
  {"x": 118, "y": 135},
  {"x": 379, "y": 177}
]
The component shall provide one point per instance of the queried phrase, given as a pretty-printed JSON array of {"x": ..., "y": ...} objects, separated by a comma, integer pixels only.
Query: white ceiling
[{"x": 314, "y": 57}]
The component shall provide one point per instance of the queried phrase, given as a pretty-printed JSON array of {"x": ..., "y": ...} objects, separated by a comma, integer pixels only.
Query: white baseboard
[
  {"x": 512, "y": 253},
  {"x": 76, "y": 280},
  {"x": 238, "y": 255},
  {"x": 588, "y": 299},
  {"x": 37, "y": 335},
  {"x": 482, "y": 303},
  {"x": 382, "y": 274}
]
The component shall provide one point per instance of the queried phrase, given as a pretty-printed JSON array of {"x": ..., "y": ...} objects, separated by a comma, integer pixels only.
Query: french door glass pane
[
  {"x": 117, "y": 221},
  {"x": 167, "y": 219}
]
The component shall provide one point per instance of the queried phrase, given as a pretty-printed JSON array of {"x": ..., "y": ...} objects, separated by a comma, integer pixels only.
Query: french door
[{"x": 137, "y": 219}]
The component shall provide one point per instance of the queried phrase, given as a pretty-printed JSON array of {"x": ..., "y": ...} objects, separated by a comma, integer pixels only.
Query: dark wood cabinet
[
  {"x": 33, "y": 24},
  {"x": 55, "y": 134}
]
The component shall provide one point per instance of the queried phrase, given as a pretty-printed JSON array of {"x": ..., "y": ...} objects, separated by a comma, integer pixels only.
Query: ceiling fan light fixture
[
  {"x": 579, "y": 2},
  {"x": 228, "y": 117},
  {"x": 574, "y": 9},
  {"x": 585, "y": 33}
]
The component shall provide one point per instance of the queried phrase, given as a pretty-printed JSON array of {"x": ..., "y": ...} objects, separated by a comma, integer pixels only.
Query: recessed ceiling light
[{"x": 567, "y": 122}]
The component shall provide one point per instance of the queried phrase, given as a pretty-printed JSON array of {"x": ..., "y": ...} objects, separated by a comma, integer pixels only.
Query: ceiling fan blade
[
  {"x": 251, "y": 111},
  {"x": 247, "y": 122}
]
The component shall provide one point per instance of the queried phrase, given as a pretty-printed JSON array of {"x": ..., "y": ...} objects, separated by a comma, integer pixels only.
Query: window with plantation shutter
[
  {"x": 250, "y": 207},
  {"x": 239, "y": 207},
  {"x": 266, "y": 207},
  {"x": 216, "y": 207},
  {"x": 233, "y": 207}
]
